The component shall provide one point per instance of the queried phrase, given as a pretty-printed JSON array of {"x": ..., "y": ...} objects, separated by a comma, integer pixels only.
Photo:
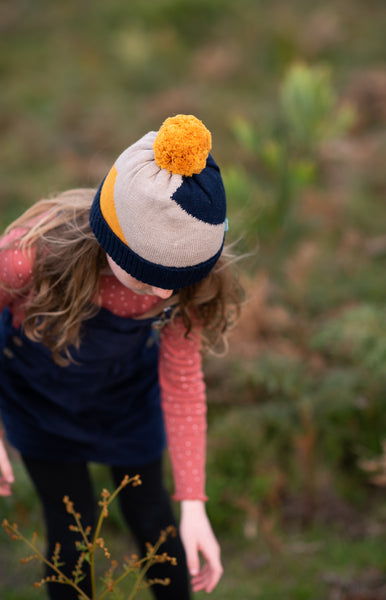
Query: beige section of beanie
[{"x": 155, "y": 226}]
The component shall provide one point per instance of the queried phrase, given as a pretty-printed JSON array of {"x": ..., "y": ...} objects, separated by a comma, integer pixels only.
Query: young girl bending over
[{"x": 107, "y": 300}]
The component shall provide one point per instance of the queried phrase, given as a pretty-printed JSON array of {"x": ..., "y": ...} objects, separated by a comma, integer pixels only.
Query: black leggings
[{"x": 146, "y": 510}]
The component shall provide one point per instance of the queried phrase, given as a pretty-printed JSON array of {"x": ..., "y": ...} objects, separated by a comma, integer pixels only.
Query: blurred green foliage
[{"x": 283, "y": 157}]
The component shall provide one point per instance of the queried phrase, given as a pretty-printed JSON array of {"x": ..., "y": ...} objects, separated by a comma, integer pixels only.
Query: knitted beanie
[{"x": 160, "y": 211}]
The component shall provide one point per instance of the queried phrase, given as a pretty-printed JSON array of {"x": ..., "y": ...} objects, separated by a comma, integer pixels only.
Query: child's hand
[
  {"x": 6, "y": 471},
  {"x": 197, "y": 536}
]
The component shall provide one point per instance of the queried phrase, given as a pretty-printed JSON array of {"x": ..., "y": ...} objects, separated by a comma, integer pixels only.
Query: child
[{"x": 86, "y": 281}]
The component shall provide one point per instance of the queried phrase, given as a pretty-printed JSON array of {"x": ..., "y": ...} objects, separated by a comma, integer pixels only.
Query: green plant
[
  {"x": 309, "y": 111},
  {"x": 91, "y": 543},
  {"x": 284, "y": 155}
]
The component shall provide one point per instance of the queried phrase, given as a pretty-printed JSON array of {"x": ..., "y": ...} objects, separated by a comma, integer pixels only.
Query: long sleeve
[
  {"x": 184, "y": 406},
  {"x": 15, "y": 270}
]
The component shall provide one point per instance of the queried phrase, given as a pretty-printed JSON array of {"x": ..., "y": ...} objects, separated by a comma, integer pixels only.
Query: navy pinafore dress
[{"x": 104, "y": 408}]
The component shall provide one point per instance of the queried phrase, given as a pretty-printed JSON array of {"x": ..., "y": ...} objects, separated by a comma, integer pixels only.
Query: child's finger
[
  {"x": 5, "y": 489},
  {"x": 5, "y": 465}
]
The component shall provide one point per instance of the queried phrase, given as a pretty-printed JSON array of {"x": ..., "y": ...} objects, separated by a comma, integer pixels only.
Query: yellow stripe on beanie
[{"x": 107, "y": 204}]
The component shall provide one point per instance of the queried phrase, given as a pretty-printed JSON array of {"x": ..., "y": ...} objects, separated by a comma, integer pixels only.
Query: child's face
[{"x": 134, "y": 285}]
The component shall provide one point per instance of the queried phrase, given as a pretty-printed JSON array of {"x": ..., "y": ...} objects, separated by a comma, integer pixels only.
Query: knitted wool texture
[
  {"x": 182, "y": 145},
  {"x": 160, "y": 211}
]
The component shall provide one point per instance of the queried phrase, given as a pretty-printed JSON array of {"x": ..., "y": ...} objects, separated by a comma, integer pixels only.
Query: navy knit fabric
[
  {"x": 103, "y": 408},
  {"x": 203, "y": 195}
]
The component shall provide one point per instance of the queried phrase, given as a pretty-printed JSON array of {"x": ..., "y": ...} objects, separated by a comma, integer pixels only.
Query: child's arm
[
  {"x": 15, "y": 270},
  {"x": 15, "y": 267},
  {"x": 6, "y": 477},
  {"x": 184, "y": 407}
]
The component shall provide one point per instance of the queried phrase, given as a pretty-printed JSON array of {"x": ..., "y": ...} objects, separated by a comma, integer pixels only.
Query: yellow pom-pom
[{"x": 182, "y": 145}]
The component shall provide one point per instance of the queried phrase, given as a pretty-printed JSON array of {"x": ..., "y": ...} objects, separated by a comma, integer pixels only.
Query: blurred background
[{"x": 294, "y": 93}]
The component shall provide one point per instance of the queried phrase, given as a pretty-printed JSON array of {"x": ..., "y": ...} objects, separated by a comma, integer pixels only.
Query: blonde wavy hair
[{"x": 65, "y": 284}]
